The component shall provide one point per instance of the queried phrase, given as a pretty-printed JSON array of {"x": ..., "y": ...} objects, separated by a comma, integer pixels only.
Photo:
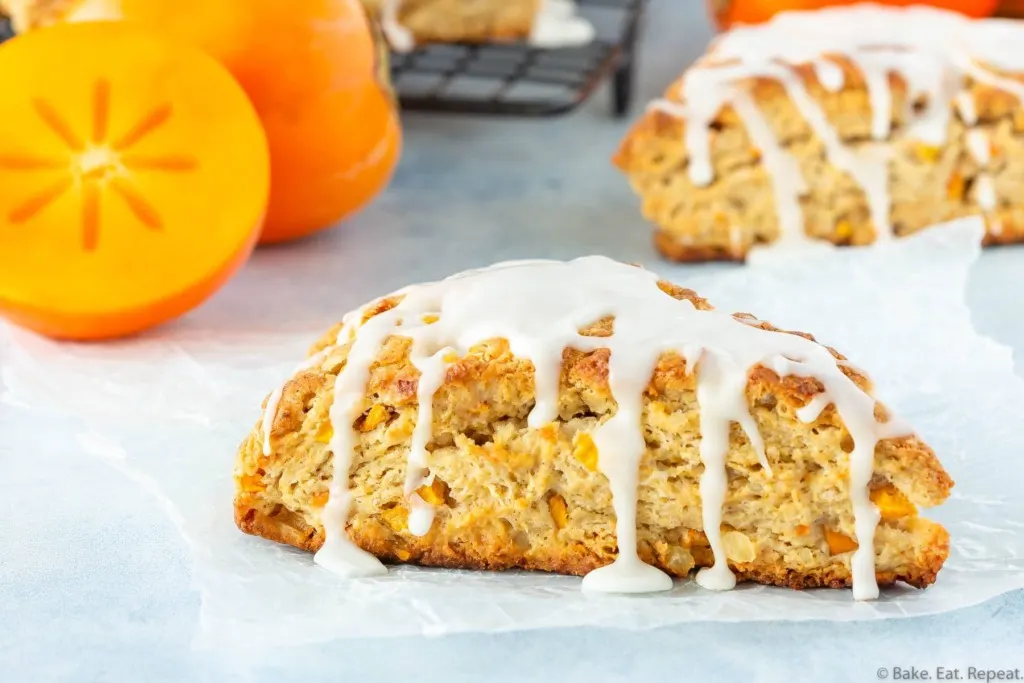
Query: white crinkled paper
[{"x": 169, "y": 410}]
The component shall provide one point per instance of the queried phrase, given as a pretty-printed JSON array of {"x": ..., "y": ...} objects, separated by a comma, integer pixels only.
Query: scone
[
  {"x": 586, "y": 418},
  {"x": 851, "y": 125},
  {"x": 544, "y": 23}
]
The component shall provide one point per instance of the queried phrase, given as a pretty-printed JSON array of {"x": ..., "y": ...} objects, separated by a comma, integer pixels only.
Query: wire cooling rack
[
  {"x": 516, "y": 79},
  {"x": 519, "y": 80}
]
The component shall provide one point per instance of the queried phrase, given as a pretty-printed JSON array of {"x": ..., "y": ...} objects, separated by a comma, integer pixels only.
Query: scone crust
[
  {"x": 279, "y": 496},
  {"x": 579, "y": 560}
]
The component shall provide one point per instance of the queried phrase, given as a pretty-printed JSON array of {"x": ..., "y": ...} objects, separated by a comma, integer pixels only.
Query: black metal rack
[
  {"x": 516, "y": 79},
  {"x": 520, "y": 80}
]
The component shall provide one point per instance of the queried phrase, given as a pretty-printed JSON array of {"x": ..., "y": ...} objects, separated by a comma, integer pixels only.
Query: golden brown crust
[
  {"x": 513, "y": 496},
  {"x": 578, "y": 560},
  {"x": 672, "y": 248},
  {"x": 928, "y": 185}
]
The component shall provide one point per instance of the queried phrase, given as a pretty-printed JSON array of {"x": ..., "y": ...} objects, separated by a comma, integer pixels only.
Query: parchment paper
[{"x": 169, "y": 409}]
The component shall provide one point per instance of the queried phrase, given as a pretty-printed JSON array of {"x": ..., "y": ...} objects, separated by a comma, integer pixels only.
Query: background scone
[
  {"x": 408, "y": 22},
  {"x": 506, "y": 490},
  {"x": 544, "y": 23},
  {"x": 848, "y": 124}
]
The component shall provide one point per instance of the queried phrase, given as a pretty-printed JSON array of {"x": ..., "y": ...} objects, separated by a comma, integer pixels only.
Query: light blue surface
[{"x": 106, "y": 594}]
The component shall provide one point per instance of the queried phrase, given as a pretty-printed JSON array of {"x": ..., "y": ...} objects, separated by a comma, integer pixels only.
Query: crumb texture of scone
[
  {"x": 851, "y": 125},
  {"x": 506, "y": 490}
]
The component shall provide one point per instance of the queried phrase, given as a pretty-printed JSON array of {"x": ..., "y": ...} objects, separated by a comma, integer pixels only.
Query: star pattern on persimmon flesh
[{"x": 95, "y": 163}]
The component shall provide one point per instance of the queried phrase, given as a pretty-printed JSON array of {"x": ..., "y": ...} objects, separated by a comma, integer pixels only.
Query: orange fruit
[
  {"x": 729, "y": 12},
  {"x": 134, "y": 175},
  {"x": 310, "y": 68}
]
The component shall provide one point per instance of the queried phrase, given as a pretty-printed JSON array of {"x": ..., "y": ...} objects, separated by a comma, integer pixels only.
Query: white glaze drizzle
[
  {"x": 557, "y": 25},
  {"x": 829, "y": 74},
  {"x": 787, "y": 180},
  {"x": 432, "y": 366},
  {"x": 983, "y": 75},
  {"x": 978, "y": 145},
  {"x": 876, "y": 78},
  {"x": 866, "y": 165},
  {"x": 338, "y": 554},
  {"x": 980, "y": 149},
  {"x": 721, "y": 388},
  {"x": 269, "y": 414},
  {"x": 399, "y": 37},
  {"x": 930, "y": 49},
  {"x": 274, "y": 400},
  {"x": 811, "y": 411},
  {"x": 964, "y": 102},
  {"x": 985, "y": 192},
  {"x": 539, "y": 308}
]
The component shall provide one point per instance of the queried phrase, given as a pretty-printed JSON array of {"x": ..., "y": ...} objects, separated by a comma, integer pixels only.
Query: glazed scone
[
  {"x": 544, "y": 23},
  {"x": 849, "y": 124},
  {"x": 567, "y": 417}
]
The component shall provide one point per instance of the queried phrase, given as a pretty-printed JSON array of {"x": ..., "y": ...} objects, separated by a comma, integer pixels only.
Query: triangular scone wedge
[
  {"x": 511, "y": 496},
  {"x": 841, "y": 124}
]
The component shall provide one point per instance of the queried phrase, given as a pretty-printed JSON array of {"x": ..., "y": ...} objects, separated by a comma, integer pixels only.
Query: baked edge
[{"x": 577, "y": 561}]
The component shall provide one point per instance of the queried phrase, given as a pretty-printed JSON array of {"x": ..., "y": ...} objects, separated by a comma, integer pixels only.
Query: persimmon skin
[
  {"x": 310, "y": 69},
  {"x": 728, "y": 13},
  {"x": 163, "y": 145},
  {"x": 976, "y": 9},
  {"x": 128, "y": 322}
]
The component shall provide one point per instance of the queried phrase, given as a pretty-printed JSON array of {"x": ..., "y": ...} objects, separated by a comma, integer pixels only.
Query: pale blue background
[{"x": 106, "y": 596}]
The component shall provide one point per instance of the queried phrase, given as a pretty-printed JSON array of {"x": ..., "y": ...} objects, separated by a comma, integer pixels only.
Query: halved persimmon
[
  {"x": 134, "y": 175},
  {"x": 316, "y": 73}
]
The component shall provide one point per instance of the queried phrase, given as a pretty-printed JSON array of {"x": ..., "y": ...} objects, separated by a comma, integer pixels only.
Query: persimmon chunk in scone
[{"x": 586, "y": 418}]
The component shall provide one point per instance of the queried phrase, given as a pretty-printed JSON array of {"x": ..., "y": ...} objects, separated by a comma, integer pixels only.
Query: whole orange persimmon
[
  {"x": 1010, "y": 8},
  {"x": 311, "y": 70},
  {"x": 726, "y": 13},
  {"x": 316, "y": 75}
]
